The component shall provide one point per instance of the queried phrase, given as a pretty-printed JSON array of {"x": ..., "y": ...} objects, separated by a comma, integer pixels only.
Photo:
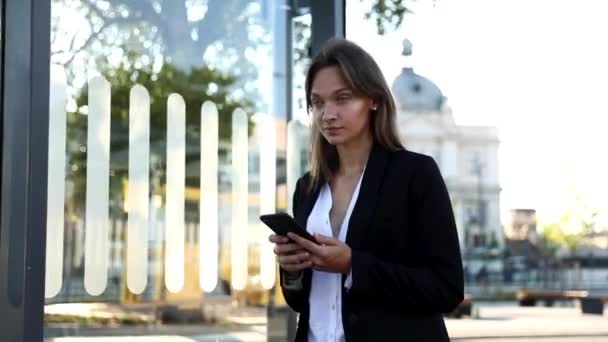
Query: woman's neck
[{"x": 353, "y": 156}]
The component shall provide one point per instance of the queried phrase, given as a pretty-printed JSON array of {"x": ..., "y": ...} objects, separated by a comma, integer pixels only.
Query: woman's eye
[{"x": 343, "y": 99}]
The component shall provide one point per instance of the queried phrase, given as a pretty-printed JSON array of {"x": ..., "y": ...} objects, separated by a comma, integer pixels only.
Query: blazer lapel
[{"x": 368, "y": 196}]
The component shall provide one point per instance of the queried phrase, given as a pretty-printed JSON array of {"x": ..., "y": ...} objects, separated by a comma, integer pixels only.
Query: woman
[{"x": 387, "y": 263}]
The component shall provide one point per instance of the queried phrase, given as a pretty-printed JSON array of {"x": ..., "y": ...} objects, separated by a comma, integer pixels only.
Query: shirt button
[{"x": 333, "y": 307}]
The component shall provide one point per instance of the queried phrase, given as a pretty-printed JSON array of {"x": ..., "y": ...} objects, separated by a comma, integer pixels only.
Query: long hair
[{"x": 364, "y": 77}]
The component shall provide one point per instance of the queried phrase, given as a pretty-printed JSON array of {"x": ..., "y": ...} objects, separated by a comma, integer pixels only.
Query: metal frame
[
  {"x": 25, "y": 115},
  {"x": 328, "y": 21}
]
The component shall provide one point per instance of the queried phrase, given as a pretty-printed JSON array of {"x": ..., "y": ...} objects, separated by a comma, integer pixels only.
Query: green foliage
[
  {"x": 388, "y": 14},
  {"x": 556, "y": 235},
  {"x": 197, "y": 86}
]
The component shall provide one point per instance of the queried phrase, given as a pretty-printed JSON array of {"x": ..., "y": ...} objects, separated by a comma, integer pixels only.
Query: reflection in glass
[{"x": 163, "y": 192}]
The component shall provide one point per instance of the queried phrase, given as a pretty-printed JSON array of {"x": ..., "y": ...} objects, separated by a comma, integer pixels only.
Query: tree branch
[
  {"x": 146, "y": 13},
  {"x": 86, "y": 43},
  {"x": 212, "y": 26},
  {"x": 106, "y": 24},
  {"x": 143, "y": 9},
  {"x": 70, "y": 48}
]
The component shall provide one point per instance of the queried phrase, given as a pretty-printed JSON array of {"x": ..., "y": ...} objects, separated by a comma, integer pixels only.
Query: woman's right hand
[{"x": 291, "y": 256}]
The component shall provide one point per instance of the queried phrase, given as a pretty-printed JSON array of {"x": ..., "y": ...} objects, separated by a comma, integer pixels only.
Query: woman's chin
[{"x": 335, "y": 140}]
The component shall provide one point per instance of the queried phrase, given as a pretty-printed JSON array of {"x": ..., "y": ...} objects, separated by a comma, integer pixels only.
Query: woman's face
[{"x": 341, "y": 116}]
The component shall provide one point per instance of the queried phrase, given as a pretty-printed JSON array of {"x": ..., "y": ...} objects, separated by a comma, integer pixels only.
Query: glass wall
[{"x": 168, "y": 138}]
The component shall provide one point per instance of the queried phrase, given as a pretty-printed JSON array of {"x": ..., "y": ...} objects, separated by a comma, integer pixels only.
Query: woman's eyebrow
[
  {"x": 315, "y": 94},
  {"x": 341, "y": 90},
  {"x": 334, "y": 92}
]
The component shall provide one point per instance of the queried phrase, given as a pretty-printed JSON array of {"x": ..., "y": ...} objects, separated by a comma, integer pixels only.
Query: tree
[
  {"x": 197, "y": 86},
  {"x": 388, "y": 14},
  {"x": 167, "y": 23},
  {"x": 570, "y": 232},
  {"x": 554, "y": 237},
  {"x": 185, "y": 29}
]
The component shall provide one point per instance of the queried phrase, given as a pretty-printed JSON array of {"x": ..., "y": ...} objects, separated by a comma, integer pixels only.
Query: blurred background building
[{"x": 468, "y": 159}]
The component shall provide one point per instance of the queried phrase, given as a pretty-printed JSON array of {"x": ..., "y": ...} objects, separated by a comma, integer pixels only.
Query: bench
[
  {"x": 591, "y": 302},
  {"x": 463, "y": 309},
  {"x": 529, "y": 297}
]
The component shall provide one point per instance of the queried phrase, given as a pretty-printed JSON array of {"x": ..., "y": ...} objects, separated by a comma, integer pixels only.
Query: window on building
[{"x": 474, "y": 163}]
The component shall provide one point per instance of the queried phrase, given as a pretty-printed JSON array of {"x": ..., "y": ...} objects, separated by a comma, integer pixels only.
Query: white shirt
[{"x": 325, "y": 322}]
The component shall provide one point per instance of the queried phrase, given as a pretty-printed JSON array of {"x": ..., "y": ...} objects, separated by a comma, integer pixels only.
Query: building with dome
[{"x": 468, "y": 159}]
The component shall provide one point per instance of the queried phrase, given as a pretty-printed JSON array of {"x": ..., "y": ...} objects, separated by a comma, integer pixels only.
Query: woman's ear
[{"x": 373, "y": 105}]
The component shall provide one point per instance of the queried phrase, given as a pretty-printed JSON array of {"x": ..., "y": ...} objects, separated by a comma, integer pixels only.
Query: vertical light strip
[
  {"x": 209, "y": 207},
  {"x": 240, "y": 196},
  {"x": 294, "y": 160},
  {"x": 268, "y": 178},
  {"x": 56, "y": 182},
  {"x": 139, "y": 186},
  {"x": 98, "y": 182},
  {"x": 174, "y": 209}
]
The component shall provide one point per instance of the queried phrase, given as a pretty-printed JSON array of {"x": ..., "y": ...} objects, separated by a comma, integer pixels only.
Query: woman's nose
[{"x": 330, "y": 112}]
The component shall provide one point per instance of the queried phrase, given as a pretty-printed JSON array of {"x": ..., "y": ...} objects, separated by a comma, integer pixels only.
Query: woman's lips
[{"x": 332, "y": 130}]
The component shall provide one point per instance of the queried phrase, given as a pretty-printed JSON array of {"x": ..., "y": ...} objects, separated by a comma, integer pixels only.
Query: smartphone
[{"x": 282, "y": 223}]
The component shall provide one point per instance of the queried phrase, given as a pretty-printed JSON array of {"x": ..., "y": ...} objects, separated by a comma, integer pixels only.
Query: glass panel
[{"x": 165, "y": 146}]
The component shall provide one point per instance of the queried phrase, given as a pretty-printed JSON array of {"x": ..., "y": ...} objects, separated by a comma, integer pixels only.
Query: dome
[{"x": 415, "y": 93}]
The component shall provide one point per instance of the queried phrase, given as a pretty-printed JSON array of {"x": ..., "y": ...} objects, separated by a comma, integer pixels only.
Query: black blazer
[{"x": 406, "y": 263}]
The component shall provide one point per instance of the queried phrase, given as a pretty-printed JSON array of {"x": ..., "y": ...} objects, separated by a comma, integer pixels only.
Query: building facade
[
  {"x": 467, "y": 157},
  {"x": 521, "y": 225}
]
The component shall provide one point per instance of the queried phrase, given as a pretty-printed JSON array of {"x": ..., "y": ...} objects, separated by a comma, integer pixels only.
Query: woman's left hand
[{"x": 329, "y": 255}]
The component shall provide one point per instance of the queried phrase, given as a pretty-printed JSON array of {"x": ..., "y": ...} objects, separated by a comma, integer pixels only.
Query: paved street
[
  {"x": 538, "y": 339},
  {"x": 503, "y": 322},
  {"x": 508, "y": 319}
]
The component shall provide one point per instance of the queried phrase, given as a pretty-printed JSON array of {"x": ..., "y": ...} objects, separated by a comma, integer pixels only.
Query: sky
[{"x": 535, "y": 69}]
